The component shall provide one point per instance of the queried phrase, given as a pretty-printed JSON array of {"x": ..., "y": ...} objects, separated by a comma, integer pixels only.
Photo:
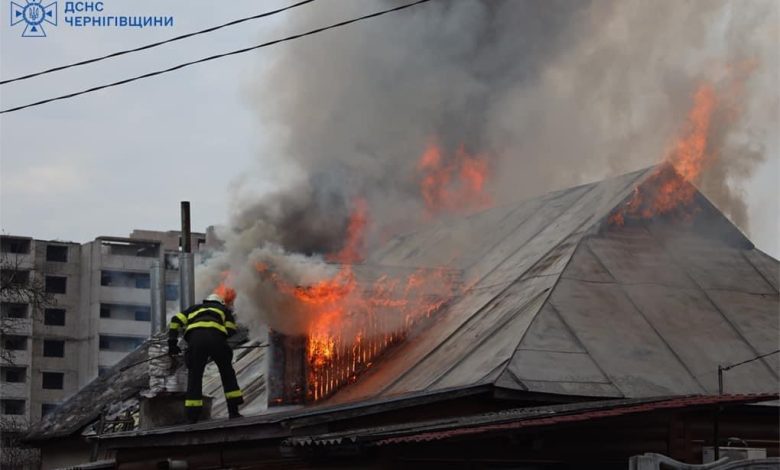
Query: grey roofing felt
[{"x": 562, "y": 302}]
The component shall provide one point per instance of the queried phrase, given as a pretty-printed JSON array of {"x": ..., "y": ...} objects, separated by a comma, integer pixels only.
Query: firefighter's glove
[{"x": 173, "y": 348}]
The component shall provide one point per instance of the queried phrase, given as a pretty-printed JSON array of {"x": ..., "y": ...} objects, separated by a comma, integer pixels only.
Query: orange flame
[
  {"x": 670, "y": 186},
  {"x": 227, "y": 293},
  {"x": 455, "y": 184},
  {"x": 350, "y": 324}
]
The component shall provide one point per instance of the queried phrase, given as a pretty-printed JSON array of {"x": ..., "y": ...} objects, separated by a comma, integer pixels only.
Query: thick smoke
[{"x": 555, "y": 93}]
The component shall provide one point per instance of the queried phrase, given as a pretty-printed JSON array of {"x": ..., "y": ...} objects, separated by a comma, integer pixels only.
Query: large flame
[
  {"x": 451, "y": 183},
  {"x": 350, "y": 323},
  {"x": 670, "y": 187}
]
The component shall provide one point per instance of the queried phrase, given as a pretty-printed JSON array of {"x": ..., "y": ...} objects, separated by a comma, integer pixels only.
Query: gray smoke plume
[{"x": 553, "y": 93}]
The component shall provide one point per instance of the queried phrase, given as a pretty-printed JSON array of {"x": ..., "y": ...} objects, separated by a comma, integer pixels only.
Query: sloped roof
[
  {"x": 561, "y": 302},
  {"x": 557, "y": 301},
  {"x": 119, "y": 389},
  {"x": 86, "y": 405}
]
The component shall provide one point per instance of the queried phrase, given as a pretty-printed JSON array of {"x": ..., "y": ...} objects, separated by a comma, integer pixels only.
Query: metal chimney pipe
[
  {"x": 157, "y": 281},
  {"x": 186, "y": 234},
  {"x": 186, "y": 261}
]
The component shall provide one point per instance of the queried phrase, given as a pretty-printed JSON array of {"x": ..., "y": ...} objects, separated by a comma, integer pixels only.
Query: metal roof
[
  {"x": 561, "y": 302},
  {"x": 515, "y": 419}
]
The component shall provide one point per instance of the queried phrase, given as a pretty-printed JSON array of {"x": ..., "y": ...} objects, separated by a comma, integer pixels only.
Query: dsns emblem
[{"x": 34, "y": 14}]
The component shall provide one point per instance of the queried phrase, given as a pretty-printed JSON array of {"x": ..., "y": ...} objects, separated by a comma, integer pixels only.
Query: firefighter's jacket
[{"x": 209, "y": 314}]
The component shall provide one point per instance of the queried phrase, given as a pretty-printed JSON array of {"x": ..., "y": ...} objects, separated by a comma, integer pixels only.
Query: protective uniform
[{"x": 206, "y": 329}]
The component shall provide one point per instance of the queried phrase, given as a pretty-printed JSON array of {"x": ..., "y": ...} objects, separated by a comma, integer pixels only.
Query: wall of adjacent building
[{"x": 102, "y": 323}]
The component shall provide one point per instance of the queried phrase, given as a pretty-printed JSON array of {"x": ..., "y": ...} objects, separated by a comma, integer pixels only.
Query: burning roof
[
  {"x": 563, "y": 300},
  {"x": 559, "y": 299}
]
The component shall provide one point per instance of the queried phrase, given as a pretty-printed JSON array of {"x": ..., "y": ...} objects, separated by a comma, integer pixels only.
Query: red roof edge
[{"x": 618, "y": 410}]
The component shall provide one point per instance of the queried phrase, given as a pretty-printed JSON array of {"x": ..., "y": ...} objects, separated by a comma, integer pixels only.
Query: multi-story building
[{"x": 101, "y": 311}]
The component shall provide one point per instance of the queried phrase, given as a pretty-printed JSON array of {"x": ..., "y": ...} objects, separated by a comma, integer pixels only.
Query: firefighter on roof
[{"x": 207, "y": 327}]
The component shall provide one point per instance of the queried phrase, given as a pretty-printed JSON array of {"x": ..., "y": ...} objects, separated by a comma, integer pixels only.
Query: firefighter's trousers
[{"x": 204, "y": 344}]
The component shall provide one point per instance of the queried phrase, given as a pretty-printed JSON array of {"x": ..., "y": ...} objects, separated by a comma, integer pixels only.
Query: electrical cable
[
  {"x": 214, "y": 57},
  {"x": 731, "y": 366},
  {"x": 155, "y": 44}
]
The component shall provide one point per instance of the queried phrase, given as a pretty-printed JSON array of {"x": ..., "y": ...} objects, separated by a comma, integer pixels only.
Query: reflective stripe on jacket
[{"x": 206, "y": 315}]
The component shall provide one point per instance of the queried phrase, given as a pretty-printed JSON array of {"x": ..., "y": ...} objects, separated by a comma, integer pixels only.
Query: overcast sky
[{"x": 123, "y": 158}]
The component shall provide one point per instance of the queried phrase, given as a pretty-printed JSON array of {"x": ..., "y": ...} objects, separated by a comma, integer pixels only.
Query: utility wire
[
  {"x": 731, "y": 366},
  {"x": 155, "y": 44},
  {"x": 214, "y": 57}
]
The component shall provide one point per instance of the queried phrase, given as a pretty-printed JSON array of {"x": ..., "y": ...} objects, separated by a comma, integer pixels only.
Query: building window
[
  {"x": 130, "y": 248},
  {"x": 53, "y": 348},
  {"x": 13, "y": 310},
  {"x": 58, "y": 253},
  {"x": 119, "y": 343},
  {"x": 47, "y": 408},
  {"x": 15, "y": 277},
  {"x": 56, "y": 284},
  {"x": 142, "y": 282},
  {"x": 53, "y": 380},
  {"x": 102, "y": 371},
  {"x": 171, "y": 261},
  {"x": 12, "y": 407},
  {"x": 15, "y": 245},
  {"x": 143, "y": 314},
  {"x": 126, "y": 312},
  {"x": 124, "y": 279},
  {"x": 14, "y": 375},
  {"x": 171, "y": 292},
  {"x": 15, "y": 343},
  {"x": 54, "y": 316}
]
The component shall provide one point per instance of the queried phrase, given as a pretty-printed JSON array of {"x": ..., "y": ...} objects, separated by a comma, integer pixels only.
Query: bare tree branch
[{"x": 19, "y": 285}]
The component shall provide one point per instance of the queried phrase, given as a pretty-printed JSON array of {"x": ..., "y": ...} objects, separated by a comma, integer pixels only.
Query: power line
[
  {"x": 214, "y": 57},
  {"x": 155, "y": 44},
  {"x": 731, "y": 366}
]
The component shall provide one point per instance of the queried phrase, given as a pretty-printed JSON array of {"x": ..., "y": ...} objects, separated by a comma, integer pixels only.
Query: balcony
[
  {"x": 16, "y": 421},
  {"x": 112, "y": 326},
  {"x": 18, "y": 326},
  {"x": 20, "y": 260},
  {"x": 124, "y": 295},
  {"x": 14, "y": 390},
  {"x": 127, "y": 262},
  {"x": 18, "y": 358}
]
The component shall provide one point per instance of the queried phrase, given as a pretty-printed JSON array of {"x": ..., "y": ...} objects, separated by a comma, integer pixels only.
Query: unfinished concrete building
[{"x": 100, "y": 313}]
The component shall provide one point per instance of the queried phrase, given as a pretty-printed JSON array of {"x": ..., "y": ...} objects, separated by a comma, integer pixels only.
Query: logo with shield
[{"x": 34, "y": 14}]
